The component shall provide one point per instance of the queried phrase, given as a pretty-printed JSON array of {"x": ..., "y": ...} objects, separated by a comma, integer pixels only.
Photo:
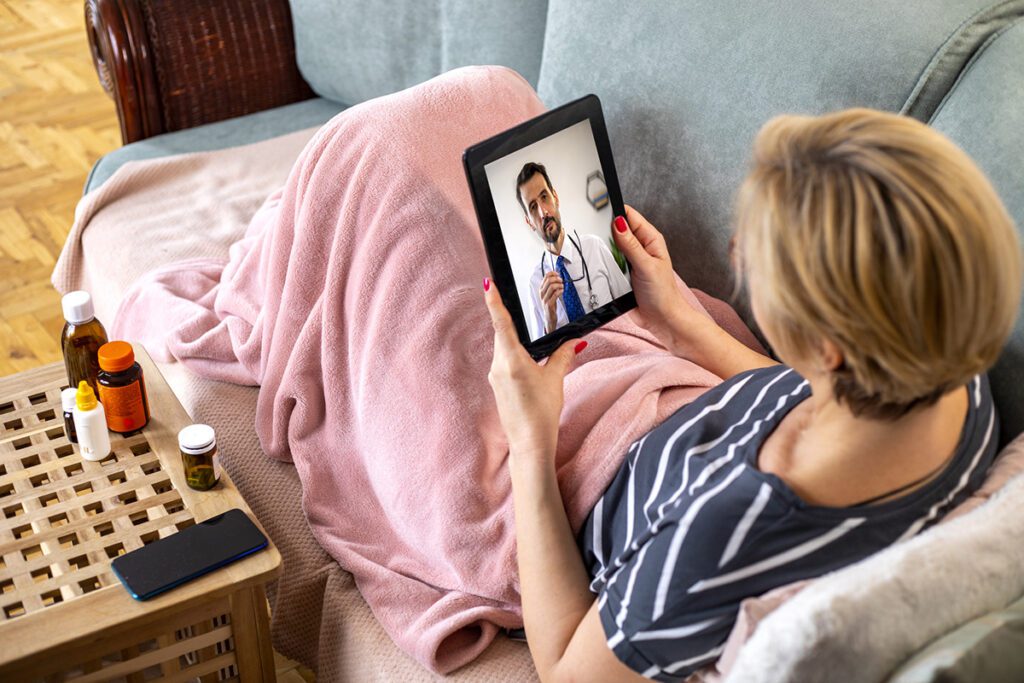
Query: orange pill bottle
[{"x": 122, "y": 388}]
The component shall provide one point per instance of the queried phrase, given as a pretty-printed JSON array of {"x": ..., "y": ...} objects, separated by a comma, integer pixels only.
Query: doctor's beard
[{"x": 551, "y": 236}]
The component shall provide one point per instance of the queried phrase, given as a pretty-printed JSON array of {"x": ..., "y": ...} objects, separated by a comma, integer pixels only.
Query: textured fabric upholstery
[
  {"x": 989, "y": 648},
  {"x": 350, "y": 52},
  {"x": 984, "y": 114},
  {"x": 686, "y": 88},
  {"x": 221, "y": 135}
]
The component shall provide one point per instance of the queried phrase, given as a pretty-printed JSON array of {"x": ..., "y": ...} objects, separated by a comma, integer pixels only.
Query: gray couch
[{"x": 685, "y": 87}]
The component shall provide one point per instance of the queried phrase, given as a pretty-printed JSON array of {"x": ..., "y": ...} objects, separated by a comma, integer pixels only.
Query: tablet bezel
[{"x": 479, "y": 155}]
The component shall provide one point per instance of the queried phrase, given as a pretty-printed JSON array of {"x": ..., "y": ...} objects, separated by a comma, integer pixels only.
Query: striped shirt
[{"x": 690, "y": 527}]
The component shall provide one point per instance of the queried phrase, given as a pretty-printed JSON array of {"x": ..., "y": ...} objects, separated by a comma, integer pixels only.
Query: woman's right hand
[{"x": 660, "y": 304}]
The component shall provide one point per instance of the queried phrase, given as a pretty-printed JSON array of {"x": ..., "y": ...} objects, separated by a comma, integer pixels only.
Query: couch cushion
[
  {"x": 685, "y": 90},
  {"x": 702, "y": 79},
  {"x": 228, "y": 133},
  {"x": 351, "y": 52},
  {"x": 990, "y": 648},
  {"x": 984, "y": 114}
]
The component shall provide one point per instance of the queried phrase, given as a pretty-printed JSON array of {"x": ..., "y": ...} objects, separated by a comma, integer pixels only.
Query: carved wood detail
[{"x": 175, "y": 64}]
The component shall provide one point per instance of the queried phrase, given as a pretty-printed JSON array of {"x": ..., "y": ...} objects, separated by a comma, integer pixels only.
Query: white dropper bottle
[{"x": 90, "y": 424}]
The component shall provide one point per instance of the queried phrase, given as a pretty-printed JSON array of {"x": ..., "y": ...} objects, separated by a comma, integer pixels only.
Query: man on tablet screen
[{"x": 574, "y": 276}]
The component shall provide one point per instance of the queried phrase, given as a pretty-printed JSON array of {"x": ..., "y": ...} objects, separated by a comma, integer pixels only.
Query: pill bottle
[
  {"x": 122, "y": 388},
  {"x": 67, "y": 404},
  {"x": 198, "y": 446},
  {"x": 90, "y": 424},
  {"x": 81, "y": 339}
]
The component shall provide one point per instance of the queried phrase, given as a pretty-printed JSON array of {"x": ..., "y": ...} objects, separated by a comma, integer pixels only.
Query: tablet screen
[
  {"x": 545, "y": 194},
  {"x": 552, "y": 203}
]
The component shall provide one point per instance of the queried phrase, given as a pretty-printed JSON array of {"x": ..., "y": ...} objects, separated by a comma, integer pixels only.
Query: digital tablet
[{"x": 545, "y": 194}]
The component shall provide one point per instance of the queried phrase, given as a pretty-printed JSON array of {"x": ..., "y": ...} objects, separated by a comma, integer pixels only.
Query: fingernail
[
  {"x": 487, "y": 284},
  {"x": 620, "y": 224},
  {"x": 582, "y": 345}
]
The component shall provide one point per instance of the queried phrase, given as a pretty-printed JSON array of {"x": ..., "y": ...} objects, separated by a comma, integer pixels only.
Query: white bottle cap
[
  {"x": 77, "y": 307},
  {"x": 196, "y": 439},
  {"x": 67, "y": 400}
]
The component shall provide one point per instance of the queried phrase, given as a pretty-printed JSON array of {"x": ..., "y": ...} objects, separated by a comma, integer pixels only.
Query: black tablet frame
[{"x": 479, "y": 155}]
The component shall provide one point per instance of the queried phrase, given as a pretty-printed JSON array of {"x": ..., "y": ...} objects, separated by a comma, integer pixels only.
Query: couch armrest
[{"x": 175, "y": 64}]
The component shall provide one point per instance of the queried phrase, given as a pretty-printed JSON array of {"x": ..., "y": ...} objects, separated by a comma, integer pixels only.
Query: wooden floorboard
[{"x": 55, "y": 122}]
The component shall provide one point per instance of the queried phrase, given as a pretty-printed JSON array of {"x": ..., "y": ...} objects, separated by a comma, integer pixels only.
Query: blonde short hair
[{"x": 874, "y": 231}]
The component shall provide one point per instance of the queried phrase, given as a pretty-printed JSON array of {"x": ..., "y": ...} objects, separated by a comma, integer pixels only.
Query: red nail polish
[
  {"x": 582, "y": 345},
  {"x": 487, "y": 284},
  {"x": 620, "y": 224}
]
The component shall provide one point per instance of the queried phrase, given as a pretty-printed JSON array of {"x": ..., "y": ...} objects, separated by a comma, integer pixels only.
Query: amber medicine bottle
[
  {"x": 81, "y": 339},
  {"x": 122, "y": 388},
  {"x": 198, "y": 446}
]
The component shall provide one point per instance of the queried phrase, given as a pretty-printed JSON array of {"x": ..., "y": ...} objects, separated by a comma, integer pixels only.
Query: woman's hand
[
  {"x": 529, "y": 395},
  {"x": 661, "y": 306},
  {"x": 664, "y": 311}
]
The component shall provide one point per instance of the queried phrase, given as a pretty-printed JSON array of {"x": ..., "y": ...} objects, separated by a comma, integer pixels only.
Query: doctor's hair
[
  {"x": 529, "y": 170},
  {"x": 875, "y": 232}
]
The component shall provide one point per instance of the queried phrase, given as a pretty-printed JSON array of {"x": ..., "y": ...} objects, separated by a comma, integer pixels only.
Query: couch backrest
[
  {"x": 353, "y": 51},
  {"x": 686, "y": 85},
  {"x": 984, "y": 113}
]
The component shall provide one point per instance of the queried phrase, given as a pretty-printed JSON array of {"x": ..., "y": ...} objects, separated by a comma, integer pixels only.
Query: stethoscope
[{"x": 586, "y": 271}]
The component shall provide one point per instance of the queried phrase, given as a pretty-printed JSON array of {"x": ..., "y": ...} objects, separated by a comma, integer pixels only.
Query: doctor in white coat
[{"x": 575, "y": 273}]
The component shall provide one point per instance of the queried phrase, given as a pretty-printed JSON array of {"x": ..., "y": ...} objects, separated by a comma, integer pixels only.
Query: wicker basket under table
[{"x": 63, "y": 614}]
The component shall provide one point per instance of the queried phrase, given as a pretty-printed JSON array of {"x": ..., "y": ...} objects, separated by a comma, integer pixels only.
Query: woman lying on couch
[
  {"x": 885, "y": 273},
  {"x": 881, "y": 267}
]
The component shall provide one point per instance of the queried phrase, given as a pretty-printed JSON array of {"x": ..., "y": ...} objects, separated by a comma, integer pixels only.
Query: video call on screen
[{"x": 556, "y": 220}]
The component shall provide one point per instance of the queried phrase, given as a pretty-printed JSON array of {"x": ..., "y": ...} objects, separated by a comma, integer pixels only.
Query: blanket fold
[{"x": 354, "y": 302}]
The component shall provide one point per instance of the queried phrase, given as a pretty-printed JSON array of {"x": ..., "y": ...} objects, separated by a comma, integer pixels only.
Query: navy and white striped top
[{"x": 690, "y": 527}]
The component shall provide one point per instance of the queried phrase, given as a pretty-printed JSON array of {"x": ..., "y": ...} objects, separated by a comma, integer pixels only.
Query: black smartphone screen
[{"x": 188, "y": 554}]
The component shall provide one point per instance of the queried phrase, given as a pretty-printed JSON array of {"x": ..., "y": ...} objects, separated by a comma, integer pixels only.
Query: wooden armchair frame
[{"x": 174, "y": 64}]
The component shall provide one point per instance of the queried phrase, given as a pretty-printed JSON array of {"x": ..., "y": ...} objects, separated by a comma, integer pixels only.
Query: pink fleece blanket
[{"x": 354, "y": 301}]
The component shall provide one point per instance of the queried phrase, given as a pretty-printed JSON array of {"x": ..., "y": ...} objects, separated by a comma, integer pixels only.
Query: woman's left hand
[{"x": 529, "y": 395}]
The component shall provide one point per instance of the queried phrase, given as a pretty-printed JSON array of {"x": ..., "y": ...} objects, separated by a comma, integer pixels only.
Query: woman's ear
[{"x": 831, "y": 355}]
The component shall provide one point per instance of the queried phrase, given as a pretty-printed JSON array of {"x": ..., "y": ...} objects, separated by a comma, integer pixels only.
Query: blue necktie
[{"x": 573, "y": 307}]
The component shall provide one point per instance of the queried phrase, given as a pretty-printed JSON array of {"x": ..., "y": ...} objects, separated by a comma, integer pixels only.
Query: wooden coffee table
[{"x": 63, "y": 614}]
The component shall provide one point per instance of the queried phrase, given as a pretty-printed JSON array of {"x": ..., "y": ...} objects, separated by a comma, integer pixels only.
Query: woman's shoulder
[
  {"x": 750, "y": 394},
  {"x": 780, "y": 378}
]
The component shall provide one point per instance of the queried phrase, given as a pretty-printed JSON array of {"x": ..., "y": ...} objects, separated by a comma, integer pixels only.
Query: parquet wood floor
[{"x": 55, "y": 121}]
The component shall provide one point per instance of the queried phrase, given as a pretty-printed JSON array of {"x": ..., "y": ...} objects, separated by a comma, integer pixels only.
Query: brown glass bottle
[
  {"x": 81, "y": 339},
  {"x": 122, "y": 388},
  {"x": 198, "y": 446}
]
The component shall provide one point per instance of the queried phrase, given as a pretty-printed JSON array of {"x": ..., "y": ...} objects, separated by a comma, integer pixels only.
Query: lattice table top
[{"x": 64, "y": 518}]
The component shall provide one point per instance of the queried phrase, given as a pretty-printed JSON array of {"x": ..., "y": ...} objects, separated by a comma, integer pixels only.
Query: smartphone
[{"x": 188, "y": 554}]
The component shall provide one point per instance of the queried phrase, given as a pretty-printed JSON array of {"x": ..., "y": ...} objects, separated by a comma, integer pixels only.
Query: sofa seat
[{"x": 242, "y": 130}]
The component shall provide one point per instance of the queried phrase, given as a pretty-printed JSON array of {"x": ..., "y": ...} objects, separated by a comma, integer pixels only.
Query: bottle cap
[
  {"x": 85, "y": 397},
  {"x": 116, "y": 356},
  {"x": 67, "y": 399},
  {"x": 196, "y": 439},
  {"x": 77, "y": 307}
]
